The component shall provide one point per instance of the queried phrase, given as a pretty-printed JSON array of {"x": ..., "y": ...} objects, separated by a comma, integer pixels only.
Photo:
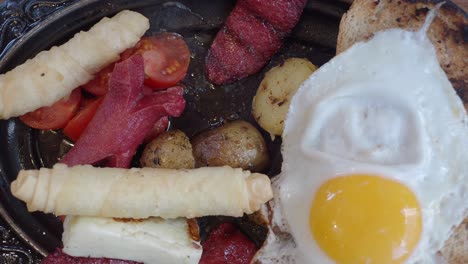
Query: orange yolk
[{"x": 365, "y": 219}]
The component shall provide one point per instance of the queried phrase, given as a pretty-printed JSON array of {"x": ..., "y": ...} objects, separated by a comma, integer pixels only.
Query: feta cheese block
[{"x": 149, "y": 241}]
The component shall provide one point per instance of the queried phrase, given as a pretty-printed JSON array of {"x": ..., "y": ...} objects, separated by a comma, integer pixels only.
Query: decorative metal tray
[{"x": 28, "y": 27}]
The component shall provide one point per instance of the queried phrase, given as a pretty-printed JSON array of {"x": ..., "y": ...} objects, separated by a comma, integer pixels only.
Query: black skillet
[{"x": 28, "y": 27}]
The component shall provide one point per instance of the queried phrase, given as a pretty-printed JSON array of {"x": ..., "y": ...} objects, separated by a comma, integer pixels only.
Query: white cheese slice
[{"x": 149, "y": 241}]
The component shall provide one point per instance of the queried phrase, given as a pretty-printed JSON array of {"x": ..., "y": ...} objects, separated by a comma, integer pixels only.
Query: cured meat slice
[
  {"x": 124, "y": 118},
  {"x": 252, "y": 34},
  {"x": 283, "y": 15},
  {"x": 227, "y": 245}
]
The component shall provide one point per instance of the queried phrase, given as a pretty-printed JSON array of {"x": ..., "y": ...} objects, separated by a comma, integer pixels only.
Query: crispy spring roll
[
  {"x": 53, "y": 74},
  {"x": 142, "y": 193}
]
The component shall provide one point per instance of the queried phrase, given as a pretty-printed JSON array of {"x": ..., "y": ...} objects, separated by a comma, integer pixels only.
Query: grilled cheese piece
[{"x": 150, "y": 241}]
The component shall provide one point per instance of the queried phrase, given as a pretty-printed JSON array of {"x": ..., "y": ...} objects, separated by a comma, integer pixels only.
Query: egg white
[{"x": 417, "y": 119}]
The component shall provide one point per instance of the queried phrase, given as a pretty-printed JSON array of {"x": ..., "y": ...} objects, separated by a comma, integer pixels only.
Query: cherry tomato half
[
  {"x": 100, "y": 84},
  {"x": 78, "y": 124},
  {"x": 55, "y": 116},
  {"x": 166, "y": 57}
]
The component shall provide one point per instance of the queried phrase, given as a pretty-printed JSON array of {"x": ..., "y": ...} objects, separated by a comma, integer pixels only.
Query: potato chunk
[
  {"x": 271, "y": 103},
  {"x": 171, "y": 150},
  {"x": 237, "y": 144}
]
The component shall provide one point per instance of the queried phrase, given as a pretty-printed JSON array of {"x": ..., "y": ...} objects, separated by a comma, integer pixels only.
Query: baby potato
[
  {"x": 237, "y": 144},
  {"x": 271, "y": 103},
  {"x": 171, "y": 150}
]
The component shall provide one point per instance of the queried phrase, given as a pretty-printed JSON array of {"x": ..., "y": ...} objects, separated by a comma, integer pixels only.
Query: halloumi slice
[{"x": 150, "y": 241}]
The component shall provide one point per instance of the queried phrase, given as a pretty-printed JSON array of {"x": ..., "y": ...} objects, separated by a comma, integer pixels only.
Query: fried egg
[{"x": 375, "y": 152}]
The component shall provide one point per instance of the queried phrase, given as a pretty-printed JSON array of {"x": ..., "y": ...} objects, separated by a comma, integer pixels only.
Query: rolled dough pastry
[
  {"x": 53, "y": 74},
  {"x": 141, "y": 193}
]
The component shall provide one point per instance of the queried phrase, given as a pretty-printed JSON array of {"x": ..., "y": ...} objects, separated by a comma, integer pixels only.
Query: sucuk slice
[
  {"x": 283, "y": 15},
  {"x": 227, "y": 245},
  {"x": 228, "y": 60},
  {"x": 253, "y": 32},
  {"x": 159, "y": 127}
]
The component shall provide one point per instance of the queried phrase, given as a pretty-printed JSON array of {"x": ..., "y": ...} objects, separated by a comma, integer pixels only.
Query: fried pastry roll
[
  {"x": 54, "y": 73},
  {"x": 142, "y": 192}
]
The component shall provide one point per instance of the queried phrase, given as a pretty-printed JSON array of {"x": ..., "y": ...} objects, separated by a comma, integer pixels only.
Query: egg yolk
[{"x": 365, "y": 219}]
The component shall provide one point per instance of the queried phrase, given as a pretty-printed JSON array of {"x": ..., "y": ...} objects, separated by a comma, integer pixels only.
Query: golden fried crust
[{"x": 448, "y": 32}]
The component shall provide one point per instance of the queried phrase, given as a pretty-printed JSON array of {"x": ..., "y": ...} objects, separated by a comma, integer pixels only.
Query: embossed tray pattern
[{"x": 17, "y": 17}]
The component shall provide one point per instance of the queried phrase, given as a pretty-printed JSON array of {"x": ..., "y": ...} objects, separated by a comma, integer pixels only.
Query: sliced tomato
[
  {"x": 166, "y": 58},
  {"x": 55, "y": 116},
  {"x": 87, "y": 101},
  {"x": 78, "y": 124},
  {"x": 100, "y": 84}
]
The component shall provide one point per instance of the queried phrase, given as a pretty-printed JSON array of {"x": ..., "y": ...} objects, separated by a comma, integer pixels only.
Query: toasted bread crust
[
  {"x": 455, "y": 250},
  {"x": 448, "y": 32}
]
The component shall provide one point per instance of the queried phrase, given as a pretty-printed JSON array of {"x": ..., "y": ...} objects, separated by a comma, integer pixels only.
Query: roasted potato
[
  {"x": 237, "y": 144},
  {"x": 171, "y": 150},
  {"x": 271, "y": 103}
]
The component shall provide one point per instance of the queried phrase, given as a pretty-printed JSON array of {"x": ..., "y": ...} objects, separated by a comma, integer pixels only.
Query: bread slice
[
  {"x": 448, "y": 32},
  {"x": 455, "y": 250}
]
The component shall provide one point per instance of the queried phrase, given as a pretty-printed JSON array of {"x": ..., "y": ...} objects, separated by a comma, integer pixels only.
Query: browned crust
[
  {"x": 448, "y": 32},
  {"x": 193, "y": 229},
  {"x": 259, "y": 218},
  {"x": 128, "y": 220},
  {"x": 455, "y": 250},
  {"x": 277, "y": 231}
]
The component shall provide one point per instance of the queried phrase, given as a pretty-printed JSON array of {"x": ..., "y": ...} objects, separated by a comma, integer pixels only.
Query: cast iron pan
[{"x": 31, "y": 26}]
